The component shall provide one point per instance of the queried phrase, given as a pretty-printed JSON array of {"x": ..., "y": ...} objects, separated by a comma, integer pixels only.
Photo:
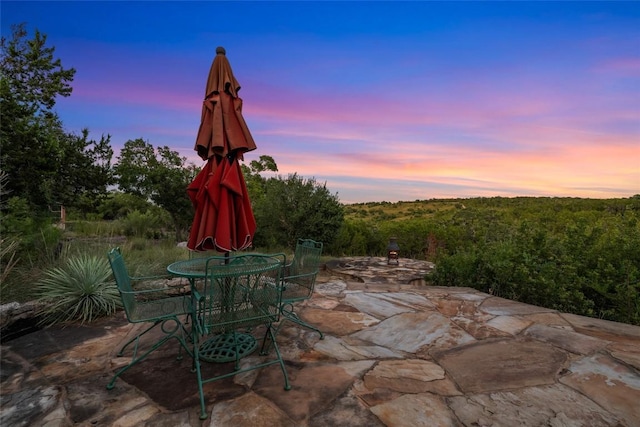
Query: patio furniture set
[{"x": 230, "y": 298}]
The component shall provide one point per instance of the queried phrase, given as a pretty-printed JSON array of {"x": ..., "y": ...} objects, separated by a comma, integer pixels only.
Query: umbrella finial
[{"x": 220, "y": 50}]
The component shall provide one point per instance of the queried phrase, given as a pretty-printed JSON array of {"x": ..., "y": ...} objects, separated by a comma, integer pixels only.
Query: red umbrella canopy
[
  {"x": 223, "y": 219},
  {"x": 222, "y": 127}
]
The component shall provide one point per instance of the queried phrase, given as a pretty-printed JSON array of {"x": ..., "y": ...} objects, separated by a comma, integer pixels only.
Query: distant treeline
[{"x": 575, "y": 255}]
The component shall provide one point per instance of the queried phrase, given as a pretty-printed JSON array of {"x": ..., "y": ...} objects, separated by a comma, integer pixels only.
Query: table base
[{"x": 227, "y": 347}]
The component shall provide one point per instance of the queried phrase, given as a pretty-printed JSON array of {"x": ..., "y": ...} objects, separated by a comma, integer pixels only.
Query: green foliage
[
  {"x": 147, "y": 224},
  {"x": 18, "y": 218},
  {"x": 79, "y": 291},
  {"x": 289, "y": 208},
  {"x": 36, "y": 78},
  {"x": 93, "y": 228},
  {"x": 133, "y": 169},
  {"x": 118, "y": 205},
  {"x": 8, "y": 259},
  {"x": 35, "y": 234},
  {"x": 171, "y": 178},
  {"x": 146, "y": 257},
  {"x": 256, "y": 183},
  {"x": 26, "y": 238},
  {"x": 575, "y": 255},
  {"x": 84, "y": 171},
  {"x": 159, "y": 175},
  {"x": 355, "y": 238},
  {"x": 47, "y": 166},
  {"x": 296, "y": 207}
]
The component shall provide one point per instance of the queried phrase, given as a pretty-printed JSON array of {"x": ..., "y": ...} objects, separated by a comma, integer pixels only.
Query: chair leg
[
  {"x": 287, "y": 312},
  {"x": 137, "y": 339},
  {"x": 269, "y": 335},
  {"x": 266, "y": 343},
  {"x": 287, "y": 386},
  {"x": 177, "y": 332},
  {"x": 196, "y": 363}
]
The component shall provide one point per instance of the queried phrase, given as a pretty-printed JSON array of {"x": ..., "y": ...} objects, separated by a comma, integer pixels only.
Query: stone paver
[
  {"x": 404, "y": 376},
  {"x": 505, "y": 364},
  {"x": 409, "y": 332},
  {"x": 552, "y": 405},
  {"x": 567, "y": 340},
  {"x": 609, "y": 383},
  {"x": 395, "y": 353},
  {"x": 415, "y": 410}
]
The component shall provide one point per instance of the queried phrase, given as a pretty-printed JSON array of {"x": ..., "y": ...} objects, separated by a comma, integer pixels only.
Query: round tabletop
[
  {"x": 192, "y": 268},
  {"x": 197, "y": 267}
]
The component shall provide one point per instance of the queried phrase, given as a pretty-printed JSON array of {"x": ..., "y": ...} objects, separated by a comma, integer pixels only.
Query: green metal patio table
[
  {"x": 192, "y": 269},
  {"x": 224, "y": 347}
]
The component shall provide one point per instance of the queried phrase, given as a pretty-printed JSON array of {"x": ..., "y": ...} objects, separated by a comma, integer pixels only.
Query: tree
[
  {"x": 46, "y": 165},
  {"x": 161, "y": 176},
  {"x": 295, "y": 207},
  {"x": 29, "y": 131},
  {"x": 171, "y": 179},
  {"x": 85, "y": 171},
  {"x": 32, "y": 76},
  {"x": 133, "y": 169},
  {"x": 252, "y": 175}
]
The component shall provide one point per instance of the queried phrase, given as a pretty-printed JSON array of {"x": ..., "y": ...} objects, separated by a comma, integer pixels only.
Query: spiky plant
[{"x": 82, "y": 291}]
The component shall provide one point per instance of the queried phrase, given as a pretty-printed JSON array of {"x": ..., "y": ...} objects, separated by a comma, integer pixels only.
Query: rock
[
  {"x": 553, "y": 405},
  {"x": 422, "y": 329},
  {"x": 248, "y": 410},
  {"x": 567, "y": 340},
  {"x": 609, "y": 383},
  {"x": 24, "y": 407},
  {"x": 495, "y": 365},
  {"x": 416, "y": 410},
  {"x": 405, "y": 376}
]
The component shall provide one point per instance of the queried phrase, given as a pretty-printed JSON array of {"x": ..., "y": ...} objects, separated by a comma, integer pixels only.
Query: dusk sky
[{"x": 383, "y": 101}]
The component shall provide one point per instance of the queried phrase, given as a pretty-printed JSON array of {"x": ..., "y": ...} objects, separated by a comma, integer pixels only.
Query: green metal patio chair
[
  {"x": 299, "y": 280},
  {"x": 240, "y": 293},
  {"x": 148, "y": 303}
]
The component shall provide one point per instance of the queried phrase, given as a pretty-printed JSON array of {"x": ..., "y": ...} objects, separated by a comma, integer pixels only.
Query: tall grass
[{"x": 144, "y": 256}]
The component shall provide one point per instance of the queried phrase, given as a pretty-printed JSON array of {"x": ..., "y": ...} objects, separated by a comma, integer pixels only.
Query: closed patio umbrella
[{"x": 223, "y": 219}]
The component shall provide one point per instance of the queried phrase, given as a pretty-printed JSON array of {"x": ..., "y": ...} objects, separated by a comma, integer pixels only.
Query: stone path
[{"x": 396, "y": 353}]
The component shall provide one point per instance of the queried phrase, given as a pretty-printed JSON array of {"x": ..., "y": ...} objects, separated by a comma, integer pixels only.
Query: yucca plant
[{"x": 81, "y": 291}]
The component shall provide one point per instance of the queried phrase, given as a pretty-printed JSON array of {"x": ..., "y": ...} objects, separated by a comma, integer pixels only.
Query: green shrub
[
  {"x": 139, "y": 224},
  {"x": 79, "y": 291}
]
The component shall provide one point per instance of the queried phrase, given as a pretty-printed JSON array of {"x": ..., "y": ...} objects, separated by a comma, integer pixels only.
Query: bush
[
  {"x": 148, "y": 224},
  {"x": 295, "y": 207},
  {"x": 79, "y": 291}
]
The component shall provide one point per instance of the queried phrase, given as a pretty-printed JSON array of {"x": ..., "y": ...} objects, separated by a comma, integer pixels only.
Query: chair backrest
[
  {"x": 123, "y": 280},
  {"x": 300, "y": 275},
  {"x": 306, "y": 258},
  {"x": 239, "y": 291}
]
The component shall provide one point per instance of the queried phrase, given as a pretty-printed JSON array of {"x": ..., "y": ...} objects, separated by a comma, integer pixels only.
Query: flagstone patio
[{"x": 396, "y": 353}]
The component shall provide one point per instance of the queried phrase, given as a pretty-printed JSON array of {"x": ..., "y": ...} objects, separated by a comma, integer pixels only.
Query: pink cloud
[
  {"x": 129, "y": 93},
  {"x": 478, "y": 135}
]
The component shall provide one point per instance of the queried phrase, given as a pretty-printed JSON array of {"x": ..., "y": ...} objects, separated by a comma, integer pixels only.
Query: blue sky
[{"x": 383, "y": 101}]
